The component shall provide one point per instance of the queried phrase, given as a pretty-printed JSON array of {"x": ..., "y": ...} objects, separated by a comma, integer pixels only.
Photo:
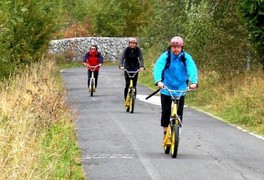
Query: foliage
[
  {"x": 167, "y": 20},
  {"x": 107, "y": 17},
  {"x": 6, "y": 69},
  {"x": 75, "y": 11},
  {"x": 136, "y": 16},
  {"x": 253, "y": 14},
  {"x": 222, "y": 37},
  {"x": 80, "y": 29},
  {"x": 199, "y": 33},
  {"x": 119, "y": 18},
  {"x": 27, "y": 29},
  {"x": 76, "y": 20}
]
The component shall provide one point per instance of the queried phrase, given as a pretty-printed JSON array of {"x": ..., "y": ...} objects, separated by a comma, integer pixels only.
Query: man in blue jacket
[{"x": 176, "y": 72}]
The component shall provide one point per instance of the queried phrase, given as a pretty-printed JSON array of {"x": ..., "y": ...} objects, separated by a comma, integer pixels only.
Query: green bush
[
  {"x": 27, "y": 29},
  {"x": 6, "y": 69}
]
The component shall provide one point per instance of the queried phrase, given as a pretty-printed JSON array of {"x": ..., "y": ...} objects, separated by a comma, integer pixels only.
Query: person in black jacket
[{"x": 132, "y": 60}]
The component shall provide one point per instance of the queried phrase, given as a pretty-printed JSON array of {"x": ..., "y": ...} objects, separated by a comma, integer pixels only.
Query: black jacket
[{"x": 132, "y": 58}]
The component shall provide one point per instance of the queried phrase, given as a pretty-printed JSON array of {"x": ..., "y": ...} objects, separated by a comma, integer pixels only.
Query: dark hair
[{"x": 94, "y": 46}]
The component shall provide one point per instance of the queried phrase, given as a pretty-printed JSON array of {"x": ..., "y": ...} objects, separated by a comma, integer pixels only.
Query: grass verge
[
  {"x": 37, "y": 135},
  {"x": 238, "y": 101}
]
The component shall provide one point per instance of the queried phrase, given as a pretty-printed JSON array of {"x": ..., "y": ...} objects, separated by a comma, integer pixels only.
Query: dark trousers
[
  {"x": 96, "y": 73},
  {"x": 127, "y": 83},
  {"x": 166, "y": 103}
]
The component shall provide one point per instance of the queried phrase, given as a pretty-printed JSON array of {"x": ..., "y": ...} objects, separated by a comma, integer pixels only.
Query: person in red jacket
[{"x": 93, "y": 58}]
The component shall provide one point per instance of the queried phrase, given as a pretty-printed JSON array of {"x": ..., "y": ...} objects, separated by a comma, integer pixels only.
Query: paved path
[{"x": 117, "y": 145}]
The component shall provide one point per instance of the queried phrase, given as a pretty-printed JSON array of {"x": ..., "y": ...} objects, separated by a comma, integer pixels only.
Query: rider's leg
[
  {"x": 166, "y": 111},
  {"x": 96, "y": 73},
  {"x": 125, "y": 92},
  {"x": 180, "y": 108},
  {"x": 89, "y": 73},
  {"x": 135, "y": 83},
  {"x": 127, "y": 85}
]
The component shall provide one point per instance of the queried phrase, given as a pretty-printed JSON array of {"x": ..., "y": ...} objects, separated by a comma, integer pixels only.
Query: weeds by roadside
[
  {"x": 238, "y": 101},
  {"x": 37, "y": 137}
]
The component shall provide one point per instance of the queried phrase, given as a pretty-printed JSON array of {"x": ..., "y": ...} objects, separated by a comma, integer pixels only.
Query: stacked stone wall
[{"x": 75, "y": 48}]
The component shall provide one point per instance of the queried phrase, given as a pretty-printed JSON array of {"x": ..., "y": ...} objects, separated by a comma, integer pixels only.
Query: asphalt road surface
[{"x": 117, "y": 145}]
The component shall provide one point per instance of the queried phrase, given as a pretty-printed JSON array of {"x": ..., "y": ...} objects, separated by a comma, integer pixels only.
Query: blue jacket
[{"x": 176, "y": 75}]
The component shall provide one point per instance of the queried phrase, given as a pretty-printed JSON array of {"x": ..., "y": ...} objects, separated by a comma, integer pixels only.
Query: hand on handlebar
[
  {"x": 193, "y": 86},
  {"x": 160, "y": 85},
  {"x": 141, "y": 68}
]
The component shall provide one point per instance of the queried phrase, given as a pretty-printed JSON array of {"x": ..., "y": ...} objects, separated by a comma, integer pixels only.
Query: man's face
[
  {"x": 132, "y": 44},
  {"x": 176, "y": 49}
]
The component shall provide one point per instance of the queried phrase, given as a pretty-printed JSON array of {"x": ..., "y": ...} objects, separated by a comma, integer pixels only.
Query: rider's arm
[
  {"x": 141, "y": 60},
  {"x": 122, "y": 58},
  {"x": 84, "y": 58},
  {"x": 159, "y": 67},
  {"x": 191, "y": 70},
  {"x": 101, "y": 59}
]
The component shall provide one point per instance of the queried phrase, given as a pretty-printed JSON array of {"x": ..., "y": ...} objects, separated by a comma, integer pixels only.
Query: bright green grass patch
[{"x": 59, "y": 143}]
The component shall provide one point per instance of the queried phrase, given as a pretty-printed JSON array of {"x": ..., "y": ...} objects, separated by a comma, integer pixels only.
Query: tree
[
  {"x": 253, "y": 13},
  {"x": 27, "y": 29},
  {"x": 168, "y": 19},
  {"x": 119, "y": 18},
  {"x": 136, "y": 15},
  {"x": 226, "y": 48},
  {"x": 106, "y": 17}
]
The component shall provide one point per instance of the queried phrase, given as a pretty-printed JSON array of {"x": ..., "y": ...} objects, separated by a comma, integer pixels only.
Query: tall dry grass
[
  {"x": 33, "y": 116},
  {"x": 238, "y": 100}
]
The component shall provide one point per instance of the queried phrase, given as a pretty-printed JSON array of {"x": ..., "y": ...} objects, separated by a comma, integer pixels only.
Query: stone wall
[{"x": 75, "y": 48}]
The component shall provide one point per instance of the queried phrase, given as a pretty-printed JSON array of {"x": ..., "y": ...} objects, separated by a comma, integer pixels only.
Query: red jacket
[{"x": 93, "y": 59}]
